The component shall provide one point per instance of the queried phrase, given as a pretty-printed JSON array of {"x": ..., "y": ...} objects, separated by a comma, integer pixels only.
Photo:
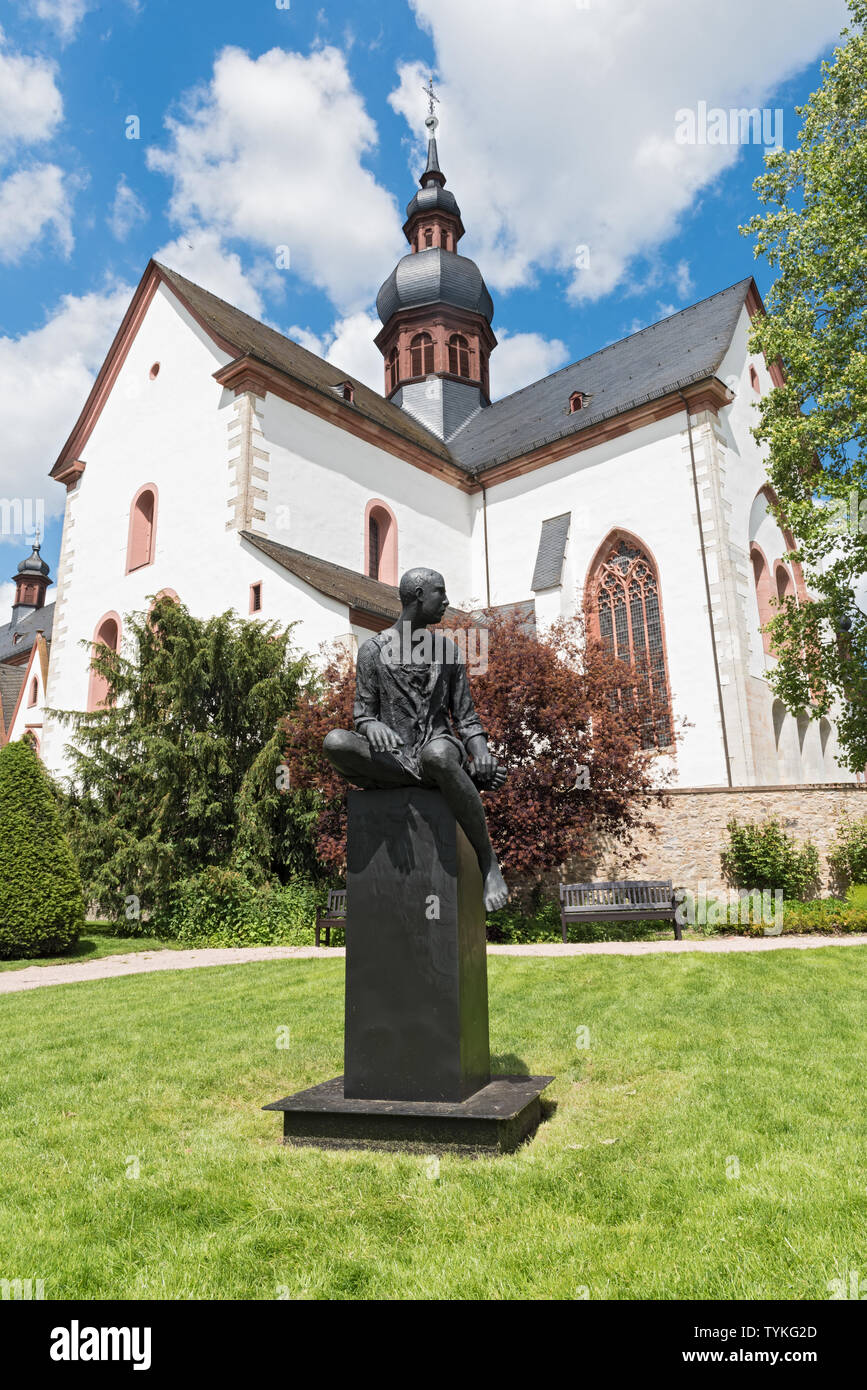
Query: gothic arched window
[
  {"x": 421, "y": 351},
  {"x": 459, "y": 355},
  {"x": 625, "y": 607}
]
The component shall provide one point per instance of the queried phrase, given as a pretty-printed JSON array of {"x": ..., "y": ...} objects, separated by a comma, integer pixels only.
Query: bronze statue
[{"x": 415, "y": 722}]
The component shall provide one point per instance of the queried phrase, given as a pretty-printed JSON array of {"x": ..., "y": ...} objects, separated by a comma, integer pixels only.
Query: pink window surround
[
  {"x": 107, "y": 634},
  {"x": 256, "y": 597},
  {"x": 785, "y": 585},
  {"x": 141, "y": 541},
  {"x": 34, "y": 693},
  {"x": 754, "y": 381},
  {"x": 764, "y": 591},
  {"x": 384, "y": 541}
]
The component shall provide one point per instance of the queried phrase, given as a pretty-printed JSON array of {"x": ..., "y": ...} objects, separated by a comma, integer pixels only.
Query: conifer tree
[{"x": 180, "y": 769}]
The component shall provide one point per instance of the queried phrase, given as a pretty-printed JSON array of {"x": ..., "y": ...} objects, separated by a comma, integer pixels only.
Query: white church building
[{"x": 218, "y": 461}]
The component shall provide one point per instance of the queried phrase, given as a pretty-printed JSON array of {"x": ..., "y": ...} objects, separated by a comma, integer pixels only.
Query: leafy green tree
[
  {"x": 181, "y": 769},
  {"x": 41, "y": 902},
  {"x": 815, "y": 423}
]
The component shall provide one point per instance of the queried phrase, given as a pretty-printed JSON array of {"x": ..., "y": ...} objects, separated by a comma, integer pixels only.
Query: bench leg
[
  {"x": 317, "y": 930},
  {"x": 678, "y": 934},
  {"x": 327, "y": 933},
  {"x": 564, "y": 930}
]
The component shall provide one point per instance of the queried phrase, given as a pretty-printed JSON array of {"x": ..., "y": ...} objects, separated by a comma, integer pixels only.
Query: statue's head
[{"x": 426, "y": 589}]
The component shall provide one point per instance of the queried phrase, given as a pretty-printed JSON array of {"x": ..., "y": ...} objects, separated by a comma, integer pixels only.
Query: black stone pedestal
[
  {"x": 416, "y": 965},
  {"x": 416, "y": 1054}
]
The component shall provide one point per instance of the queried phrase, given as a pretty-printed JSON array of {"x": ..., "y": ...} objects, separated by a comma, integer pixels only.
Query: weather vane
[{"x": 431, "y": 121}]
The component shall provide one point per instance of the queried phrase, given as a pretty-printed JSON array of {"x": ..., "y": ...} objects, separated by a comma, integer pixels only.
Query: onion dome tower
[
  {"x": 436, "y": 311},
  {"x": 31, "y": 582}
]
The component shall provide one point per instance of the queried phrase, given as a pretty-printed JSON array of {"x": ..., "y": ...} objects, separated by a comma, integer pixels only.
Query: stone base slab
[{"x": 496, "y": 1119}]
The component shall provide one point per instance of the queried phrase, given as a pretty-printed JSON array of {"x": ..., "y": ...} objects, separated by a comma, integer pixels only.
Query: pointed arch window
[
  {"x": 627, "y": 615},
  {"x": 421, "y": 352},
  {"x": 142, "y": 528},
  {"x": 459, "y": 355},
  {"x": 107, "y": 634}
]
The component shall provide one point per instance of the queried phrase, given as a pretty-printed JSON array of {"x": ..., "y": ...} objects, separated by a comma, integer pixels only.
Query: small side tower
[{"x": 31, "y": 581}]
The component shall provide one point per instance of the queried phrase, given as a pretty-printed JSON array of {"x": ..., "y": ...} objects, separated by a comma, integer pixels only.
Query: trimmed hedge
[{"x": 41, "y": 898}]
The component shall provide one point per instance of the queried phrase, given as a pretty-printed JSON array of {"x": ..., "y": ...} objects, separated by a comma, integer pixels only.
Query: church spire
[
  {"x": 435, "y": 309},
  {"x": 433, "y": 173}
]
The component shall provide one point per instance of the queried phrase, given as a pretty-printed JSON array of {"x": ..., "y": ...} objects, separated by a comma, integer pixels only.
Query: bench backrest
[
  {"x": 337, "y": 902},
  {"x": 632, "y": 893}
]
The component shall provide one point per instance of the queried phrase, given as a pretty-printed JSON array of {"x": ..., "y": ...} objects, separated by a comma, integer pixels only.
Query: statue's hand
[
  {"x": 381, "y": 738},
  {"x": 487, "y": 772}
]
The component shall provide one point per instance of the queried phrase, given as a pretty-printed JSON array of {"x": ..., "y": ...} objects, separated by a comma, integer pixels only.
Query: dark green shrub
[
  {"x": 221, "y": 907},
  {"x": 41, "y": 900},
  {"x": 848, "y": 857},
  {"x": 761, "y": 855}
]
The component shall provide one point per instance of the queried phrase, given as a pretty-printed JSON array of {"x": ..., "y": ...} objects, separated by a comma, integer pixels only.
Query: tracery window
[{"x": 626, "y": 606}]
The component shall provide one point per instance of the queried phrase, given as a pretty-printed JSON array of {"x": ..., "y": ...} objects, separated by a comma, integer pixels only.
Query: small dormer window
[
  {"x": 576, "y": 402},
  {"x": 348, "y": 391}
]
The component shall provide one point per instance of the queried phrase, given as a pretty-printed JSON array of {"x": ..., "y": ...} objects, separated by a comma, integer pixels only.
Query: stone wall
[{"x": 692, "y": 829}]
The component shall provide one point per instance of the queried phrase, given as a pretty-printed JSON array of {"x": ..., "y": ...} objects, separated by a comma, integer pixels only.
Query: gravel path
[{"x": 143, "y": 962}]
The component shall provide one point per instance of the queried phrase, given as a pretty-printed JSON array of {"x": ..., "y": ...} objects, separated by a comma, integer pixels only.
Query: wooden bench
[
  {"x": 334, "y": 912},
  {"x": 633, "y": 901}
]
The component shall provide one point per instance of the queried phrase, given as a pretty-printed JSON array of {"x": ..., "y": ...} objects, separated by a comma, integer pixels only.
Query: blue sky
[{"x": 262, "y": 126}]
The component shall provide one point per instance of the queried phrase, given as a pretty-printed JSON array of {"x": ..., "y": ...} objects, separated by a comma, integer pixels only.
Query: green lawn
[
  {"x": 695, "y": 1062},
  {"x": 97, "y": 939}
]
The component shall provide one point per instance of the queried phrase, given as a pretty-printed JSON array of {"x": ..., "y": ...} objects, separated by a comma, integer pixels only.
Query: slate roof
[
  {"x": 335, "y": 581},
  {"x": 40, "y": 620},
  {"x": 247, "y": 335},
  {"x": 684, "y": 348},
  {"x": 11, "y": 681}
]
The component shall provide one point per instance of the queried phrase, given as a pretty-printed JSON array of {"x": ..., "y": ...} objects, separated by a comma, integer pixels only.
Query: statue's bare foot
[{"x": 495, "y": 892}]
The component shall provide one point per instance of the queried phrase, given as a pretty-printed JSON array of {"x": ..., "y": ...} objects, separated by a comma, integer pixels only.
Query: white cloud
[
  {"x": 127, "y": 211},
  {"x": 350, "y": 346},
  {"x": 7, "y": 595},
  {"x": 63, "y": 15},
  {"x": 558, "y": 121},
  {"x": 270, "y": 152},
  {"x": 31, "y": 106},
  {"x": 199, "y": 255},
  {"x": 521, "y": 358},
  {"x": 32, "y": 201},
  {"x": 47, "y": 375}
]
